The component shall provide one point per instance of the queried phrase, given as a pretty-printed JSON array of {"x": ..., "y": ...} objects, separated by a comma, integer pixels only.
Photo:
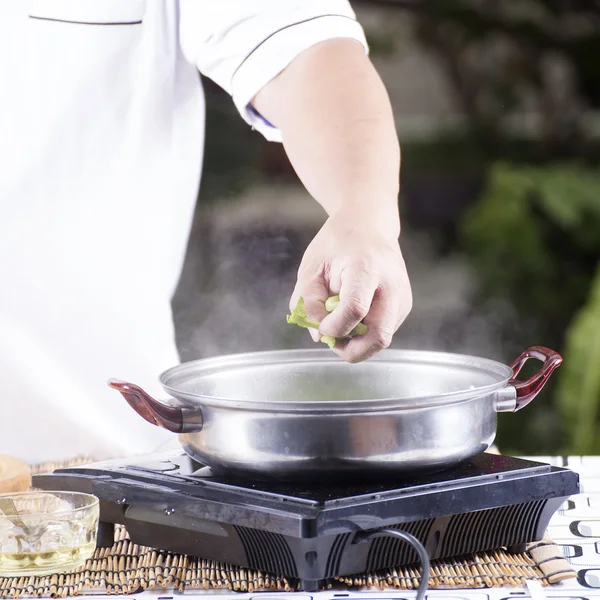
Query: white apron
[{"x": 101, "y": 136}]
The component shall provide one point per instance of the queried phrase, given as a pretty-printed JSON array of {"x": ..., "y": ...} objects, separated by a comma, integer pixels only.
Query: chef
[{"x": 101, "y": 140}]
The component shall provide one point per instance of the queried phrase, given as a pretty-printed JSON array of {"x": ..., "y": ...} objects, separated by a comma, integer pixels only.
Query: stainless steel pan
[{"x": 308, "y": 414}]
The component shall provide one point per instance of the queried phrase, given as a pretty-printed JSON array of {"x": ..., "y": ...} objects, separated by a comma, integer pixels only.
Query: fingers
[
  {"x": 389, "y": 309},
  {"x": 314, "y": 292},
  {"x": 357, "y": 290},
  {"x": 366, "y": 295}
]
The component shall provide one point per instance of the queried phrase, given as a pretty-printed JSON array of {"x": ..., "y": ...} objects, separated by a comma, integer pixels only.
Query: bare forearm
[{"x": 338, "y": 130}]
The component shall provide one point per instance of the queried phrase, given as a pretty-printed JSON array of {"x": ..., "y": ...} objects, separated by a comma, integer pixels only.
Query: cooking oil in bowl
[
  {"x": 44, "y": 563},
  {"x": 46, "y": 532}
]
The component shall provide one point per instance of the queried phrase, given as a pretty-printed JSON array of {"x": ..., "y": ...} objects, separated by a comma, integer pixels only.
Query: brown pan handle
[
  {"x": 178, "y": 419},
  {"x": 527, "y": 390}
]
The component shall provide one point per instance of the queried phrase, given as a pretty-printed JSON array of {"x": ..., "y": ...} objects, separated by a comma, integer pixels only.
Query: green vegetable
[
  {"x": 298, "y": 317},
  {"x": 332, "y": 303},
  {"x": 329, "y": 340}
]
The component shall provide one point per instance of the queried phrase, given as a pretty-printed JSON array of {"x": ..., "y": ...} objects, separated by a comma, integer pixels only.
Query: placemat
[{"x": 128, "y": 568}]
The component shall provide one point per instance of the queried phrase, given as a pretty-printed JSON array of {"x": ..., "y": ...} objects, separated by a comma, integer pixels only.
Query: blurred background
[{"x": 496, "y": 105}]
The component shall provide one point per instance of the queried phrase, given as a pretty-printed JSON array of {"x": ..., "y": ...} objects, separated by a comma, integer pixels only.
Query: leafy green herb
[
  {"x": 332, "y": 303},
  {"x": 298, "y": 317},
  {"x": 329, "y": 340}
]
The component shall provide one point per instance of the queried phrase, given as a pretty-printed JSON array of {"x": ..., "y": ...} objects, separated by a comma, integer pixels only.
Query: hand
[{"x": 363, "y": 264}]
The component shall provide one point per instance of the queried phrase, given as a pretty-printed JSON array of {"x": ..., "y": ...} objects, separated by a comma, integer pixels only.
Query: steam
[
  {"x": 238, "y": 299},
  {"x": 236, "y": 285},
  {"x": 443, "y": 316}
]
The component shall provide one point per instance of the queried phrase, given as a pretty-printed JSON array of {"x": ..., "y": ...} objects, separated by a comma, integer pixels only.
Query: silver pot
[{"x": 308, "y": 414}]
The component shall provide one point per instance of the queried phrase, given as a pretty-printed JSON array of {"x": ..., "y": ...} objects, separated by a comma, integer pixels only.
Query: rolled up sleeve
[{"x": 243, "y": 44}]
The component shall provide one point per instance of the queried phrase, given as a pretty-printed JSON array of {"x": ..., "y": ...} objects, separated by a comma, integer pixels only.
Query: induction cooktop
[{"x": 313, "y": 532}]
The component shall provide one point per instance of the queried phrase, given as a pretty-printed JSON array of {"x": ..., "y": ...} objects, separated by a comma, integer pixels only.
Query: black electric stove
[{"x": 314, "y": 532}]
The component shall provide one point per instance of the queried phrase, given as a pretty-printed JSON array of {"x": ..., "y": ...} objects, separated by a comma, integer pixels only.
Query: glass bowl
[{"x": 46, "y": 532}]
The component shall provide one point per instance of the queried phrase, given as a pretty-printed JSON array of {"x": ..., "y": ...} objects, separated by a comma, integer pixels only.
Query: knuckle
[
  {"x": 363, "y": 267},
  {"x": 382, "y": 338},
  {"x": 356, "y": 307},
  {"x": 364, "y": 264}
]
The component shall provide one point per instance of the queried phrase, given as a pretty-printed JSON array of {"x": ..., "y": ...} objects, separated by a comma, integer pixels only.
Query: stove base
[
  {"x": 313, "y": 560},
  {"x": 310, "y": 534}
]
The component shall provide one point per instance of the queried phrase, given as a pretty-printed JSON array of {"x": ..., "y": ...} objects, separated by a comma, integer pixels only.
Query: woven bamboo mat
[{"x": 128, "y": 568}]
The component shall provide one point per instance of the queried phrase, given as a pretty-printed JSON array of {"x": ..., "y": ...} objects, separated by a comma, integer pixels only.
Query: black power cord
[{"x": 409, "y": 539}]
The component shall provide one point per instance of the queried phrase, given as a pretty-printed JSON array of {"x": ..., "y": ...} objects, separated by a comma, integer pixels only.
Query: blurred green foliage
[
  {"x": 533, "y": 233},
  {"x": 579, "y": 385},
  {"x": 534, "y": 240}
]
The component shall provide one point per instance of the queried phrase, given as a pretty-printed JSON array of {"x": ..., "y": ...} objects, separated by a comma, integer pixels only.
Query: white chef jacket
[{"x": 101, "y": 137}]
